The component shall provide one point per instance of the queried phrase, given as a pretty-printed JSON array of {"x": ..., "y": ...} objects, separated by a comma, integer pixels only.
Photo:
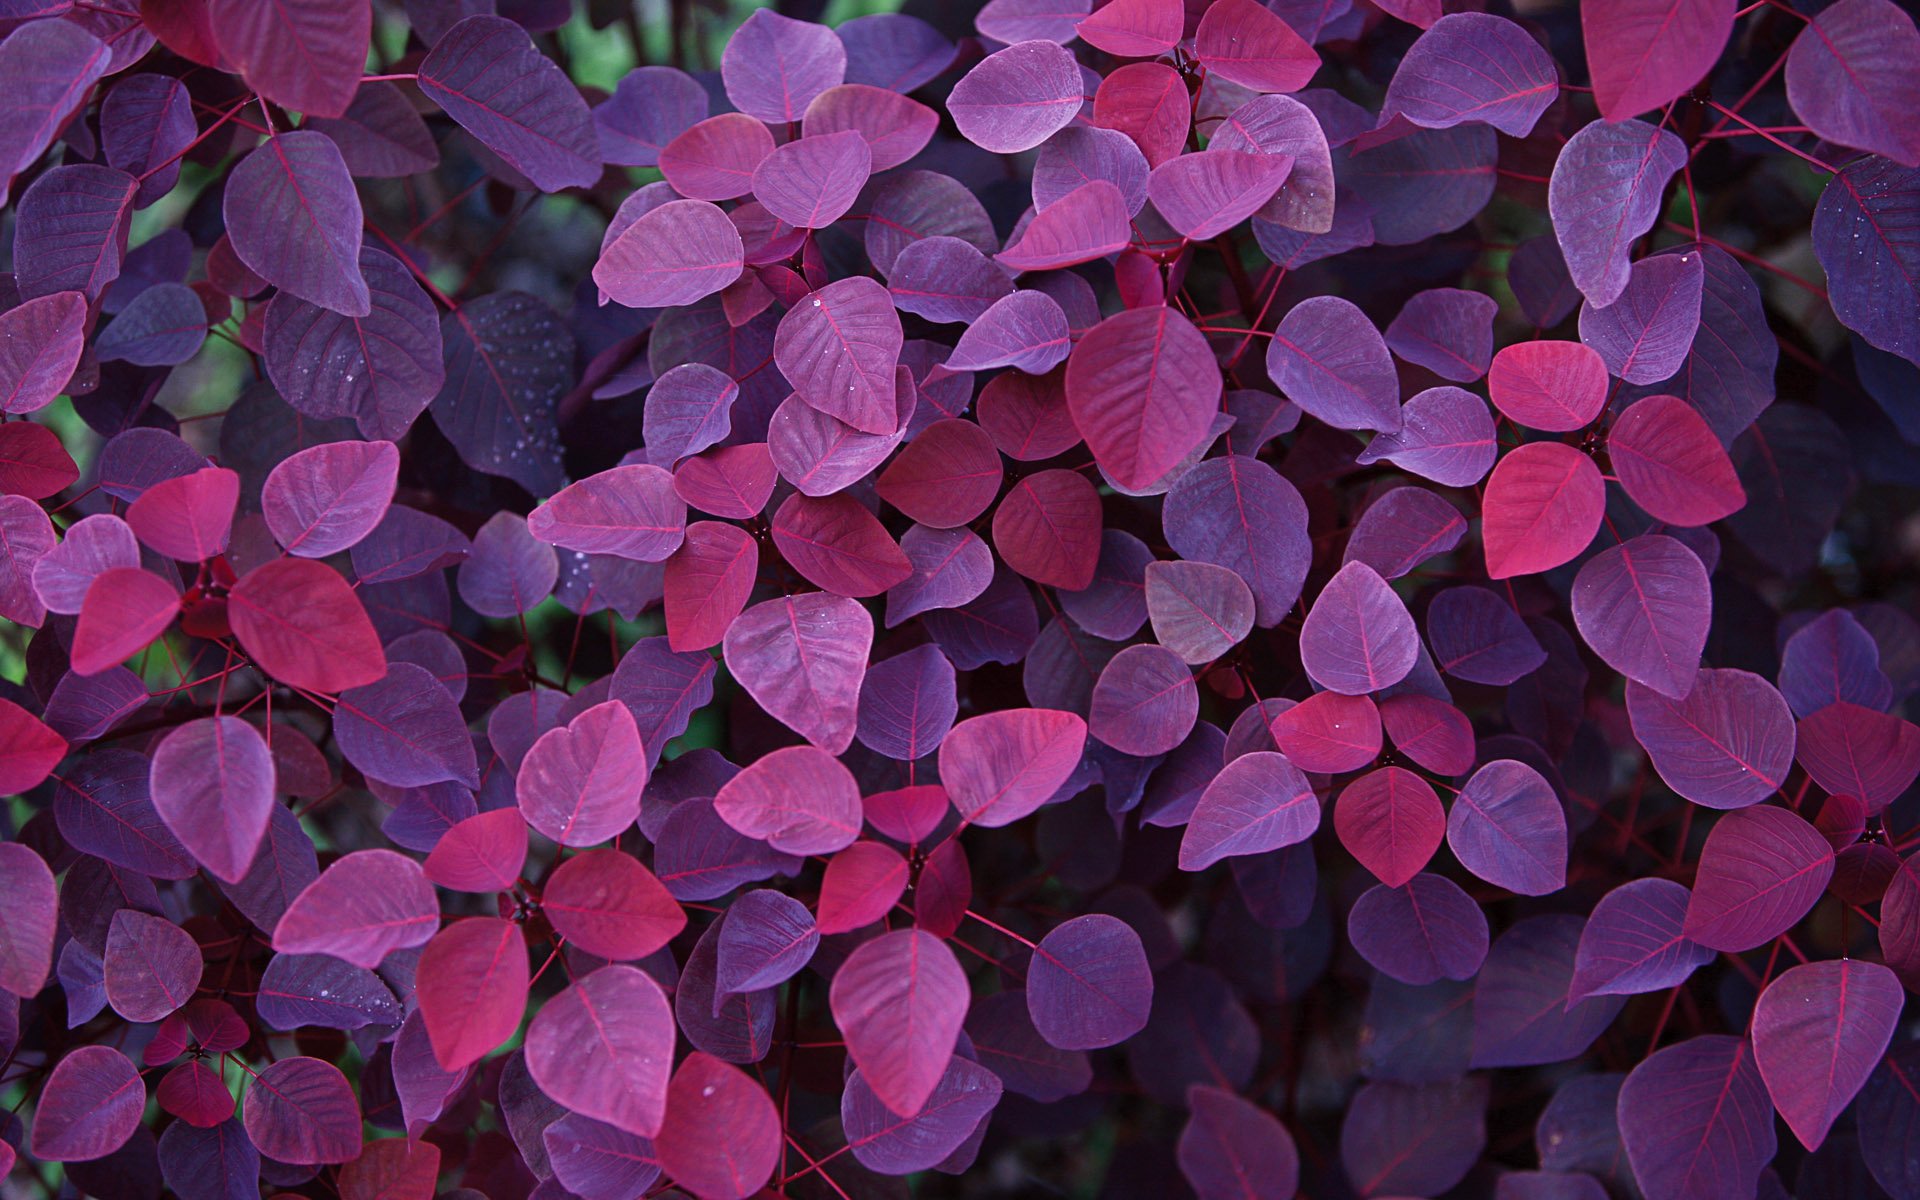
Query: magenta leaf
[
  {"x": 1672, "y": 465},
  {"x": 366, "y": 905},
  {"x": 301, "y": 54},
  {"x": 810, "y": 183},
  {"x": 472, "y": 988},
  {"x": 302, "y": 1110},
  {"x": 1543, "y": 505},
  {"x": 1818, "y": 1031},
  {"x": 91, "y": 1106},
  {"x": 1142, "y": 387},
  {"x": 125, "y": 609},
  {"x": 1248, "y": 44},
  {"x": 1392, "y": 821},
  {"x": 721, "y": 1136},
  {"x": 188, "y": 517},
  {"x": 798, "y": 799},
  {"x": 1551, "y": 385},
  {"x": 1761, "y": 870},
  {"x": 1650, "y": 51},
  {"x": 1001, "y": 766},
  {"x": 707, "y": 582},
  {"x": 486, "y": 74},
  {"x": 1859, "y": 752},
  {"x": 604, "y": 1049},
  {"x": 900, "y": 1000},
  {"x": 26, "y": 929},
  {"x": 579, "y": 784},
  {"x": 609, "y": 905},
  {"x": 839, "y": 348},
  {"x": 1087, "y": 223},
  {"x": 1695, "y": 1121}
]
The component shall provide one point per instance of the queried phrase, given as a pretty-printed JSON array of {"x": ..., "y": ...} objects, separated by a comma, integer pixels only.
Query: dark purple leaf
[
  {"x": 1644, "y": 335},
  {"x": 1426, "y": 930},
  {"x": 507, "y": 360},
  {"x": 294, "y": 219},
  {"x": 1695, "y": 1120},
  {"x": 1473, "y": 67},
  {"x": 487, "y": 75}
]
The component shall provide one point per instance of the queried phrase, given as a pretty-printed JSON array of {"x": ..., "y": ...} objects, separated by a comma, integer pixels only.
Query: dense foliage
[{"x": 1248, "y": 599}]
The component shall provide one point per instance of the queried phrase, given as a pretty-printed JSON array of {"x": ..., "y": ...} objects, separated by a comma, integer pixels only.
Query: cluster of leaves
[{"x": 846, "y": 679}]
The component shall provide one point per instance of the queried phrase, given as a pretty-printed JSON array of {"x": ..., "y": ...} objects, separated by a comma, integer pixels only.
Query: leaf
[
  {"x": 27, "y": 924},
  {"x": 609, "y": 905},
  {"x": 1358, "y": 637},
  {"x": 1413, "y": 1138},
  {"x": 907, "y": 705},
  {"x": 1606, "y": 186},
  {"x": 707, "y": 582},
  {"x": 1632, "y": 942},
  {"x": 213, "y": 784},
  {"x": 382, "y": 369},
  {"x": 721, "y": 1138},
  {"x": 688, "y": 409},
  {"x": 1831, "y": 658},
  {"x": 293, "y": 217},
  {"x": 486, "y": 74},
  {"x": 326, "y": 498},
  {"x": 52, "y": 65},
  {"x": 1523, "y": 1011},
  {"x": 593, "y": 1158},
  {"x": 1647, "y": 52},
  {"x": 797, "y": 799},
  {"x": 1000, "y": 766},
  {"x": 580, "y": 784},
  {"x": 766, "y": 939},
  {"x": 1283, "y": 125},
  {"x": 774, "y": 66},
  {"x": 894, "y": 128},
  {"x": 1856, "y": 751},
  {"x": 508, "y": 360},
  {"x": 1446, "y": 435},
  {"x": 1142, "y": 386},
  {"x": 1198, "y": 610},
  {"x": 125, "y": 610},
  {"x": 1392, "y": 822},
  {"x": 1645, "y": 334},
  {"x": 1203, "y": 195},
  {"x": 1886, "y": 1114},
  {"x": 1728, "y": 744},
  {"x": 1258, "y": 802},
  {"x": 678, "y": 253},
  {"x": 945, "y": 280},
  {"x": 899, "y": 1001},
  {"x": 472, "y": 988},
  {"x": 1508, "y": 828},
  {"x": 380, "y": 135},
  {"x": 630, "y": 512},
  {"x": 405, "y": 730},
  {"x": 1863, "y": 233},
  {"x": 1089, "y": 985},
  {"x": 89, "y": 1107},
  {"x": 508, "y": 571},
  {"x": 1017, "y": 97},
  {"x": 1144, "y": 702},
  {"x": 1546, "y": 384},
  {"x": 318, "y": 989},
  {"x": 801, "y": 658},
  {"x": 837, "y": 544},
  {"x": 1477, "y": 636},
  {"x": 1026, "y": 330},
  {"x": 188, "y": 517},
  {"x": 715, "y": 159},
  {"x": 1543, "y": 505},
  {"x": 1446, "y": 330},
  {"x": 1761, "y": 870},
  {"x": 650, "y": 106},
  {"x": 1231, "y": 1148},
  {"x": 363, "y": 907},
  {"x": 1087, "y": 223},
  {"x": 40, "y": 344},
  {"x": 1672, "y": 465},
  {"x": 1047, "y": 528},
  {"x": 300, "y": 54},
  {"x": 70, "y": 230},
  {"x": 945, "y": 477},
  {"x": 1428, "y": 182},
  {"x": 1818, "y": 1031},
  {"x": 891, "y": 1144},
  {"x": 1473, "y": 67},
  {"x": 302, "y": 1110},
  {"x": 1695, "y": 1120},
  {"x": 1850, "y": 77},
  {"x": 839, "y": 347},
  {"x": 1243, "y": 42},
  {"x": 812, "y": 182},
  {"x": 1423, "y": 931},
  {"x": 1330, "y": 360},
  {"x": 163, "y": 326},
  {"x": 863, "y": 882},
  {"x": 1644, "y": 606},
  {"x": 604, "y": 1049}
]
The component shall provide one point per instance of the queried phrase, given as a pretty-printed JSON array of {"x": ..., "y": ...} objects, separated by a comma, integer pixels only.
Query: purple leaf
[
  {"x": 145, "y": 122},
  {"x": 1695, "y": 1121},
  {"x": 802, "y": 658},
  {"x": 40, "y": 344},
  {"x": 899, "y": 1000},
  {"x": 1446, "y": 330},
  {"x": 1633, "y": 942},
  {"x": 1413, "y": 1139},
  {"x": 604, "y": 1048},
  {"x": 597, "y": 1161},
  {"x": 1358, "y": 638},
  {"x": 1473, "y": 67},
  {"x": 946, "y": 280},
  {"x": 294, "y": 219},
  {"x": 797, "y": 799},
  {"x": 1283, "y": 125},
  {"x": 1080, "y": 154},
  {"x": 1477, "y": 636},
  {"x": 508, "y": 359},
  {"x": 1238, "y": 513},
  {"x": 951, "y": 567},
  {"x": 1523, "y": 1012},
  {"x": 1205, "y": 194},
  {"x": 810, "y": 183},
  {"x": 1231, "y": 1148},
  {"x": 89, "y": 1107},
  {"x": 70, "y": 230},
  {"x": 1829, "y": 659},
  {"x": 1001, "y": 766},
  {"x": 1606, "y": 189},
  {"x": 1198, "y": 610},
  {"x": 1647, "y": 52},
  {"x": 26, "y": 930},
  {"x": 213, "y": 784},
  {"x": 1728, "y": 744},
  {"x": 1017, "y": 97},
  {"x": 580, "y": 784},
  {"x": 1248, "y": 44},
  {"x": 380, "y": 136},
  {"x": 1330, "y": 360},
  {"x": 839, "y": 348},
  {"x": 894, "y": 128},
  {"x": 1508, "y": 828},
  {"x": 1818, "y": 1031},
  {"x": 52, "y": 65},
  {"x": 650, "y": 106},
  {"x": 1863, "y": 238},
  {"x": 1644, "y": 607},
  {"x": 1089, "y": 984},
  {"x": 1089, "y": 222},
  {"x": 327, "y": 498},
  {"x": 304, "y": 54},
  {"x": 774, "y": 66},
  {"x": 1645, "y": 334},
  {"x": 1859, "y": 752},
  {"x": 1421, "y": 932},
  {"x": 1761, "y": 870},
  {"x": 1428, "y": 182},
  {"x": 890, "y": 1144},
  {"x": 688, "y": 409},
  {"x": 405, "y": 730},
  {"x": 486, "y": 74},
  {"x": 162, "y": 327},
  {"x": 1026, "y": 330},
  {"x": 629, "y": 512},
  {"x": 1145, "y": 702},
  {"x": 366, "y": 905},
  {"x": 318, "y": 989},
  {"x": 1446, "y": 435},
  {"x": 765, "y": 940},
  {"x": 382, "y": 369},
  {"x": 302, "y": 1110},
  {"x": 675, "y": 254},
  {"x": 1259, "y": 802},
  {"x": 907, "y": 705},
  {"x": 1850, "y": 77}
]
